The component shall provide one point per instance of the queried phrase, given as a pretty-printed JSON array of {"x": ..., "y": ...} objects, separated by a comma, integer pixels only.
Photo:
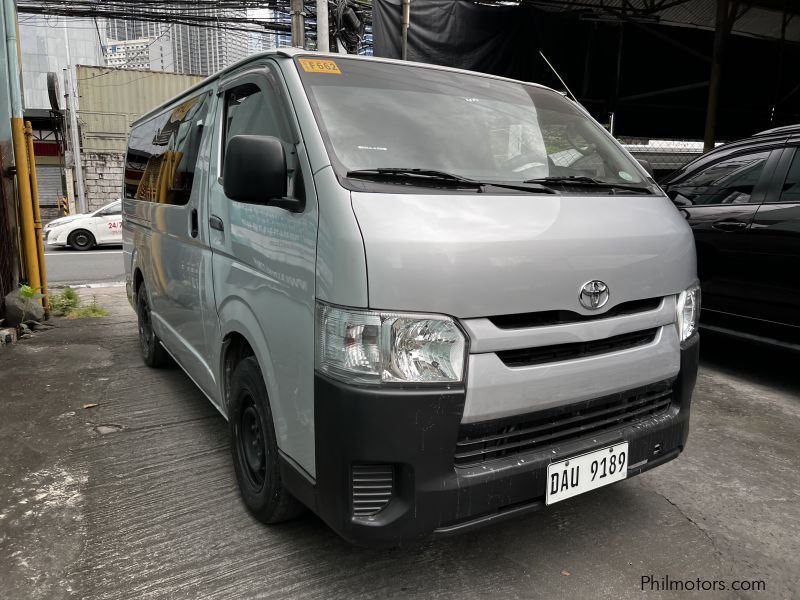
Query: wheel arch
[
  {"x": 237, "y": 324},
  {"x": 88, "y": 232},
  {"x": 134, "y": 277}
]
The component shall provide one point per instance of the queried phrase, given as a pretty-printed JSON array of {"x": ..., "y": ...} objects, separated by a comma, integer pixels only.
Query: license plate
[{"x": 579, "y": 474}]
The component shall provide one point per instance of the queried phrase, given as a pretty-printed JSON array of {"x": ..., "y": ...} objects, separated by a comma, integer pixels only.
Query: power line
[
  {"x": 218, "y": 19},
  {"x": 219, "y": 14}
]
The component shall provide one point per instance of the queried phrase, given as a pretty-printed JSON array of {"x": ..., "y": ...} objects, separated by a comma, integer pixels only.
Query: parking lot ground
[{"x": 136, "y": 498}]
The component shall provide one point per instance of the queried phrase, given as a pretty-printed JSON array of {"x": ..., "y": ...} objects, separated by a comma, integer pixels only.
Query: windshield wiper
[
  {"x": 435, "y": 176},
  {"x": 427, "y": 174},
  {"x": 583, "y": 180}
]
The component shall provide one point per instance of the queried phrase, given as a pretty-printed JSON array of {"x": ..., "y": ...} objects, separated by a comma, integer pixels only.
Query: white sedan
[{"x": 82, "y": 232}]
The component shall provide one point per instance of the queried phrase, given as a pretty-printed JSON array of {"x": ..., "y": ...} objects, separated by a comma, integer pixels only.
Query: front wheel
[
  {"x": 255, "y": 448},
  {"x": 80, "y": 239}
]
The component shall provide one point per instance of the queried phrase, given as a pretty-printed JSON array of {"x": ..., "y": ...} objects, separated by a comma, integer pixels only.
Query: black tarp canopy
[{"x": 646, "y": 61}]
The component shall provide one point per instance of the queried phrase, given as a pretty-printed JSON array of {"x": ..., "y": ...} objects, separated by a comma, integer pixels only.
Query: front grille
[
  {"x": 373, "y": 486},
  {"x": 562, "y": 317},
  {"x": 495, "y": 439},
  {"x": 574, "y": 350}
]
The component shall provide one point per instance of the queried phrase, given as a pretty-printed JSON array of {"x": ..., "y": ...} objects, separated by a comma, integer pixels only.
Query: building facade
[
  {"x": 45, "y": 45},
  {"x": 43, "y": 49},
  {"x": 142, "y": 53},
  {"x": 195, "y": 50}
]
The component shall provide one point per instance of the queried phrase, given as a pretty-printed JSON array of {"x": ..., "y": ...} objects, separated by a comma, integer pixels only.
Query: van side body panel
[
  {"x": 341, "y": 272},
  {"x": 341, "y": 261},
  {"x": 264, "y": 271}
]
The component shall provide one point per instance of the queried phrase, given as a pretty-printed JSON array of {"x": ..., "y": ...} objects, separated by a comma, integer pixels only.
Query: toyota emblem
[{"x": 594, "y": 294}]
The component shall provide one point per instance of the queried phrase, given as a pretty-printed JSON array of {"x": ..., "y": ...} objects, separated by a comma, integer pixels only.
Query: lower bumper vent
[
  {"x": 373, "y": 486},
  {"x": 495, "y": 439}
]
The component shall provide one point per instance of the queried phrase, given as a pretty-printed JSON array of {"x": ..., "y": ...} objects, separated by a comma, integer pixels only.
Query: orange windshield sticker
[{"x": 317, "y": 65}]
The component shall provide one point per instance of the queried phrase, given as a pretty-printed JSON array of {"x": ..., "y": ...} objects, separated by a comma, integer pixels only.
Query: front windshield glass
[{"x": 380, "y": 115}]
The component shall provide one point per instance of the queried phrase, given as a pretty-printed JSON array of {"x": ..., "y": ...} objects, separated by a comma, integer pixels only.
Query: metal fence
[{"x": 665, "y": 156}]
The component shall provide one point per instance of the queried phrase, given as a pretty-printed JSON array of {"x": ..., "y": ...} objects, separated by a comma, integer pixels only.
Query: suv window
[
  {"x": 162, "y": 154},
  {"x": 113, "y": 209},
  {"x": 791, "y": 187},
  {"x": 730, "y": 181}
]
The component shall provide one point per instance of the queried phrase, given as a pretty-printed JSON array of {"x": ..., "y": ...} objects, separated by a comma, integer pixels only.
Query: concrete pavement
[{"x": 136, "y": 497}]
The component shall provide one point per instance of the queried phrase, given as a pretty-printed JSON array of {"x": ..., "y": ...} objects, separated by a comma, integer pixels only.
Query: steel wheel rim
[
  {"x": 145, "y": 327},
  {"x": 252, "y": 453},
  {"x": 81, "y": 239}
]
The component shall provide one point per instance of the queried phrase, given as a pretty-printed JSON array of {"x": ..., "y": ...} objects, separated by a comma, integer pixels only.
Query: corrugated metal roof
[{"x": 112, "y": 98}]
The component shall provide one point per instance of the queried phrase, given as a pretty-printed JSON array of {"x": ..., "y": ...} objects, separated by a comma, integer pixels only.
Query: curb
[{"x": 75, "y": 286}]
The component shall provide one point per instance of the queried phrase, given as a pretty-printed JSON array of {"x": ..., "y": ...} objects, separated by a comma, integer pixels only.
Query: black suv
[{"x": 743, "y": 203}]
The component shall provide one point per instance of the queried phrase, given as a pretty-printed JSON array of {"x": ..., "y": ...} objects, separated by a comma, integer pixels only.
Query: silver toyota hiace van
[{"x": 425, "y": 299}]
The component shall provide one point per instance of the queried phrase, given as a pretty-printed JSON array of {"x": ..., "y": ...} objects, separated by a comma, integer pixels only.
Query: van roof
[{"x": 290, "y": 52}]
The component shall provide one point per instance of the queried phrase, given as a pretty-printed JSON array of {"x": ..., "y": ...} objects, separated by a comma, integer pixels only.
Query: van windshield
[{"x": 384, "y": 116}]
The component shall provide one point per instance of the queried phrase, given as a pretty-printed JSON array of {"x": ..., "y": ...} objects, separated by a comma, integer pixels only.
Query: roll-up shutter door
[{"x": 49, "y": 178}]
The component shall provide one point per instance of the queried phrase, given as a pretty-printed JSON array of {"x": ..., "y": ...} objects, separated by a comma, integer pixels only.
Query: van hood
[{"x": 482, "y": 255}]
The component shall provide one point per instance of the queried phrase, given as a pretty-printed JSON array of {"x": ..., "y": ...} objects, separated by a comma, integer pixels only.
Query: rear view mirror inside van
[{"x": 255, "y": 169}]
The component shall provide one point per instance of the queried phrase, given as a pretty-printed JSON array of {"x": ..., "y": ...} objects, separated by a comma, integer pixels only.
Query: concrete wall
[{"x": 103, "y": 173}]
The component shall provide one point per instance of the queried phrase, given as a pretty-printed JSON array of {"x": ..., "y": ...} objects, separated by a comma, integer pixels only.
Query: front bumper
[
  {"x": 54, "y": 237},
  {"x": 416, "y": 431}
]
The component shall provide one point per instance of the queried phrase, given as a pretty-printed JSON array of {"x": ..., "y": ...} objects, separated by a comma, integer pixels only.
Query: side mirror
[
  {"x": 677, "y": 198},
  {"x": 255, "y": 171},
  {"x": 647, "y": 167}
]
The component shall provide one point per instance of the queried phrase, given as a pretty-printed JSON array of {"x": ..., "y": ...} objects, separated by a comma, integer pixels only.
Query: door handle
[
  {"x": 728, "y": 225},
  {"x": 193, "y": 224},
  {"x": 216, "y": 223}
]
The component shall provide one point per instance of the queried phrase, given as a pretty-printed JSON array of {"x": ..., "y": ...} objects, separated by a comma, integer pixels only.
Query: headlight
[
  {"x": 361, "y": 346},
  {"x": 688, "y": 312}
]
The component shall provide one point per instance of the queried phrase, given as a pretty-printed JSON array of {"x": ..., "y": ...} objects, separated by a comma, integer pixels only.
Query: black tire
[
  {"x": 153, "y": 352},
  {"x": 255, "y": 448},
  {"x": 80, "y": 239}
]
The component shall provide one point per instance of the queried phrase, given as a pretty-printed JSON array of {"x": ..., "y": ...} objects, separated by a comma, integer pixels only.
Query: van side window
[
  {"x": 730, "y": 181},
  {"x": 162, "y": 154},
  {"x": 252, "y": 110},
  {"x": 249, "y": 110}
]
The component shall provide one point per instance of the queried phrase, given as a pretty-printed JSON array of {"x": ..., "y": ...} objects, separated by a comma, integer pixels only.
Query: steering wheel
[
  {"x": 572, "y": 137},
  {"x": 524, "y": 162}
]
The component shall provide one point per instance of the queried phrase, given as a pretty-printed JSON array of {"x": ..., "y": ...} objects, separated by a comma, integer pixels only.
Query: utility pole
[
  {"x": 72, "y": 109},
  {"x": 9, "y": 240},
  {"x": 323, "y": 44},
  {"x": 298, "y": 24},
  {"x": 404, "y": 30},
  {"x": 22, "y": 160}
]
